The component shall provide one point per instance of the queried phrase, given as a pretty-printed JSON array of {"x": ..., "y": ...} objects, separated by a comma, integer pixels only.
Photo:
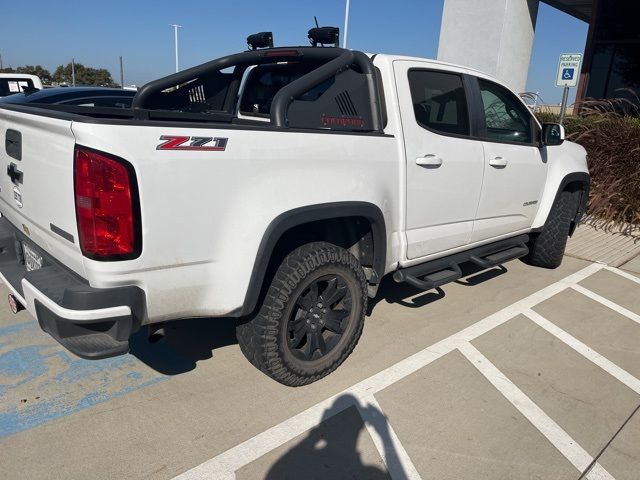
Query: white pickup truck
[{"x": 278, "y": 186}]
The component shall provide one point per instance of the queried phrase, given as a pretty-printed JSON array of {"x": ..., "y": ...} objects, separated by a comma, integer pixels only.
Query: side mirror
[{"x": 552, "y": 134}]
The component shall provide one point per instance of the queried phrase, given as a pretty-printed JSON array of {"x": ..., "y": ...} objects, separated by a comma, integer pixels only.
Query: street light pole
[
  {"x": 346, "y": 25},
  {"x": 121, "y": 73},
  {"x": 175, "y": 33}
]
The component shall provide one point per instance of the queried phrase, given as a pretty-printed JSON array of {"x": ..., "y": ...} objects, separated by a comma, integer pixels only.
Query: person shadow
[{"x": 332, "y": 449}]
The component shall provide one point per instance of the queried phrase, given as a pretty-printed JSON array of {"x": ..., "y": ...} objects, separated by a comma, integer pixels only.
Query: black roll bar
[
  {"x": 288, "y": 94},
  {"x": 338, "y": 59}
]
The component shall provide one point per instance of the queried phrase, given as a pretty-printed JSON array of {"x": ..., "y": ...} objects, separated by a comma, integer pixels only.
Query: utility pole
[
  {"x": 73, "y": 72},
  {"x": 175, "y": 34},
  {"x": 121, "y": 73},
  {"x": 1, "y": 66},
  {"x": 346, "y": 25}
]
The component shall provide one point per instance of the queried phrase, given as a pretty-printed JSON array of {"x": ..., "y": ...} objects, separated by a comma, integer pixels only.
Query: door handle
[
  {"x": 430, "y": 161},
  {"x": 498, "y": 162}
]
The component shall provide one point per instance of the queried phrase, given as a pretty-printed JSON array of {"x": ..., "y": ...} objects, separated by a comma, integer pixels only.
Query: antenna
[{"x": 316, "y": 19}]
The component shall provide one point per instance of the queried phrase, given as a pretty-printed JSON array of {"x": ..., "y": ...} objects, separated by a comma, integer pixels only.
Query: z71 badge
[{"x": 210, "y": 144}]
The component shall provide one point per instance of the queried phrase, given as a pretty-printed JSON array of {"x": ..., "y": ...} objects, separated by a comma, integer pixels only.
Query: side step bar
[{"x": 435, "y": 273}]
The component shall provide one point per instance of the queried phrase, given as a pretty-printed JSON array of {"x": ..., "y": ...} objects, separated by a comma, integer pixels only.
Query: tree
[
  {"x": 38, "y": 70},
  {"x": 84, "y": 75}
]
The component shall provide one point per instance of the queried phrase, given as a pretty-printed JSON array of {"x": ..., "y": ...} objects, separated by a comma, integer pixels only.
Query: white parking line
[
  {"x": 560, "y": 439},
  {"x": 396, "y": 458},
  {"x": 607, "y": 365},
  {"x": 225, "y": 464},
  {"x": 624, "y": 274},
  {"x": 607, "y": 303}
]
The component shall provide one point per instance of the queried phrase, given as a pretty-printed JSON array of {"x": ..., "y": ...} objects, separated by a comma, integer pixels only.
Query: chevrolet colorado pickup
[{"x": 278, "y": 186}]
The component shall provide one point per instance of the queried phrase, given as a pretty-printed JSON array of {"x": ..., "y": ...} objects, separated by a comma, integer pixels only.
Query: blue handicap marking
[
  {"x": 40, "y": 381},
  {"x": 567, "y": 73}
]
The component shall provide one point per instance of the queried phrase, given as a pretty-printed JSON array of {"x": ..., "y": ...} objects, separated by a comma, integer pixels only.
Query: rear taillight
[{"x": 106, "y": 206}]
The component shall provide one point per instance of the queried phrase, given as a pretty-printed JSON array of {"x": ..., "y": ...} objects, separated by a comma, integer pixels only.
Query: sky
[{"x": 97, "y": 33}]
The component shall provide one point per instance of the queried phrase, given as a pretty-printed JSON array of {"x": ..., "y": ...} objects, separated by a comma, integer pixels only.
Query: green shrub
[{"x": 612, "y": 141}]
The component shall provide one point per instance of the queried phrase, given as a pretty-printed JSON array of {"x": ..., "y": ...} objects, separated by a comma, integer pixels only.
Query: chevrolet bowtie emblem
[{"x": 14, "y": 174}]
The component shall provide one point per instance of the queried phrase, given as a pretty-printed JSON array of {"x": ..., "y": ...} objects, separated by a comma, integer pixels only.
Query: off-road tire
[
  {"x": 263, "y": 339},
  {"x": 547, "y": 248}
]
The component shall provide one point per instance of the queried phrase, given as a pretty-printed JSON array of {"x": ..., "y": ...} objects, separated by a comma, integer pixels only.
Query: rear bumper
[{"x": 90, "y": 322}]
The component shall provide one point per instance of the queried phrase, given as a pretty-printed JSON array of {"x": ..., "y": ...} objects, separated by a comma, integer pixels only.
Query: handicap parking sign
[
  {"x": 567, "y": 73},
  {"x": 568, "y": 69}
]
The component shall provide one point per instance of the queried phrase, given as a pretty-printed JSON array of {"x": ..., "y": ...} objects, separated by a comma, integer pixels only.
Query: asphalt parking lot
[{"x": 515, "y": 372}]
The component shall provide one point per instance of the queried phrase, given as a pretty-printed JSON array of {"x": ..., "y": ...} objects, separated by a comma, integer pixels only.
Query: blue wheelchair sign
[{"x": 568, "y": 70}]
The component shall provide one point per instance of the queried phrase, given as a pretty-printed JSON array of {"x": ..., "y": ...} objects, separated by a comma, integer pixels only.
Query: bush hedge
[{"x": 612, "y": 141}]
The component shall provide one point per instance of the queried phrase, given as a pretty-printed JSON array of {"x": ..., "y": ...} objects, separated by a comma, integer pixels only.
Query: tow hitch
[{"x": 14, "y": 304}]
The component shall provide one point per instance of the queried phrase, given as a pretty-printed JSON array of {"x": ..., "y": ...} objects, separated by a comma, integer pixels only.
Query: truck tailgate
[{"x": 36, "y": 182}]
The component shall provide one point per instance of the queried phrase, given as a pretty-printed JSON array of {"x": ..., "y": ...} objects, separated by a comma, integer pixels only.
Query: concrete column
[{"x": 494, "y": 36}]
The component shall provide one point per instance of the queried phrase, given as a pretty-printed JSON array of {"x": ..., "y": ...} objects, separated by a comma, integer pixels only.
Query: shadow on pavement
[
  {"x": 184, "y": 344},
  {"x": 188, "y": 341},
  {"x": 331, "y": 449},
  {"x": 411, "y": 297}
]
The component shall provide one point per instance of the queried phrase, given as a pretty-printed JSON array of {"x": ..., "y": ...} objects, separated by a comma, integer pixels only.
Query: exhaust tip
[
  {"x": 156, "y": 333},
  {"x": 14, "y": 304}
]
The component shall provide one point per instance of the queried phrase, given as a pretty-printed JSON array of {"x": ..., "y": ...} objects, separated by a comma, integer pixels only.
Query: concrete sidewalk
[{"x": 616, "y": 246}]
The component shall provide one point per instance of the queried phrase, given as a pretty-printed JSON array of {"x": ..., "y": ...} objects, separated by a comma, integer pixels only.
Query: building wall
[{"x": 494, "y": 36}]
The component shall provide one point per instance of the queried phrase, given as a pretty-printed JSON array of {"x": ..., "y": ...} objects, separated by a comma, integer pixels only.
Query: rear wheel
[
  {"x": 311, "y": 318},
  {"x": 547, "y": 248}
]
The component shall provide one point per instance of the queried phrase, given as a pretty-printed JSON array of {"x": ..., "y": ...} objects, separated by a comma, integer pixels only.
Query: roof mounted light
[
  {"x": 324, "y": 36},
  {"x": 260, "y": 40}
]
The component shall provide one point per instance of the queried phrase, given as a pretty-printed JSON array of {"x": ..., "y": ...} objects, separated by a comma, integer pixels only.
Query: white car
[
  {"x": 282, "y": 203},
  {"x": 11, "y": 83}
]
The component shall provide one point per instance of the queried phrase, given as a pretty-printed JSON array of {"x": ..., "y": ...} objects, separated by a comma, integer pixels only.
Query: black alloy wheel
[
  {"x": 311, "y": 317},
  {"x": 320, "y": 317}
]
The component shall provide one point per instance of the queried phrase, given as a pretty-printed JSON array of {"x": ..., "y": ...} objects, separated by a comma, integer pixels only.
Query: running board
[
  {"x": 500, "y": 257},
  {"x": 429, "y": 280},
  {"x": 435, "y": 273}
]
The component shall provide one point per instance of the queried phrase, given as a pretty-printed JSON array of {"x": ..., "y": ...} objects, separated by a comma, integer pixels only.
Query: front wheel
[
  {"x": 311, "y": 318},
  {"x": 547, "y": 248}
]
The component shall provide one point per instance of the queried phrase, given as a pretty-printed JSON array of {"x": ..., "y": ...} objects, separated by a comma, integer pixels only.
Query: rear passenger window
[
  {"x": 265, "y": 81},
  {"x": 507, "y": 119},
  {"x": 9, "y": 86},
  {"x": 439, "y": 101}
]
